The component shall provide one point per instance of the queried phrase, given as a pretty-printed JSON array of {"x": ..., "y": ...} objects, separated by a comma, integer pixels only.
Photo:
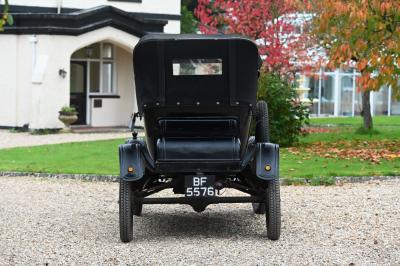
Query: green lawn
[
  {"x": 356, "y": 121},
  {"x": 300, "y": 166},
  {"x": 387, "y": 127},
  {"x": 101, "y": 157},
  {"x": 94, "y": 157}
]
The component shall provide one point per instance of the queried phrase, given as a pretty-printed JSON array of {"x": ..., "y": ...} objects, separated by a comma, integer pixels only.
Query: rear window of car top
[{"x": 197, "y": 67}]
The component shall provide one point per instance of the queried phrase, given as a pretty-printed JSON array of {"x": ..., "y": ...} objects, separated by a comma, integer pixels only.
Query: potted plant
[{"x": 68, "y": 115}]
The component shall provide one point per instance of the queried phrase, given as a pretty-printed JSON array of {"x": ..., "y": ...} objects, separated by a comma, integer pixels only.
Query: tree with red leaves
[{"x": 274, "y": 24}]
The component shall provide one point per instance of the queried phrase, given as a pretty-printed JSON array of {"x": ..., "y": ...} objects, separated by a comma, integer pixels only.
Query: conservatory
[{"x": 335, "y": 94}]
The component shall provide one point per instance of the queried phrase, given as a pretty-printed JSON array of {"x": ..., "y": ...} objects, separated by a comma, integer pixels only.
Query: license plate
[{"x": 199, "y": 186}]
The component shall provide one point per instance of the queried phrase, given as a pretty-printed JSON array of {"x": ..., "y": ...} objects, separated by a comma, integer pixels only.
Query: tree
[
  {"x": 364, "y": 34},
  {"x": 274, "y": 25},
  {"x": 5, "y": 16},
  {"x": 188, "y": 21},
  {"x": 270, "y": 22}
]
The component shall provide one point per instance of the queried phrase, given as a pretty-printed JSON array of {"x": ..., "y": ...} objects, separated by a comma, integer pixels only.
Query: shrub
[
  {"x": 68, "y": 110},
  {"x": 286, "y": 115}
]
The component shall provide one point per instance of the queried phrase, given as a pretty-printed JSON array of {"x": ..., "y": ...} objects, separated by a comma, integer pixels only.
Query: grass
[
  {"x": 356, "y": 121},
  {"x": 350, "y": 133},
  {"x": 349, "y": 129},
  {"x": 295, "y": 166},
  {"x": 101, "y": 157},
  {"x": 93, "y": 157}
]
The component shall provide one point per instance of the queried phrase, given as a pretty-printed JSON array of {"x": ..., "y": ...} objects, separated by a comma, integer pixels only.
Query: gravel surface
[
  {"x": 74, "y": 222},
  {"x": 10, "y": 139}
]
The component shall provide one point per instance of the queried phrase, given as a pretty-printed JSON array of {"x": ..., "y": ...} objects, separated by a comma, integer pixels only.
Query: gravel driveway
[{"x": 73, "y": 222}]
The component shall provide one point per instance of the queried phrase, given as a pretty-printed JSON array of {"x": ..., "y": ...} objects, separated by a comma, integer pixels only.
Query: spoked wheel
[
  {"x": 125, "y": 211},
  {"x": 273, "y": 210},
  {"x": 262, "y": 135}
]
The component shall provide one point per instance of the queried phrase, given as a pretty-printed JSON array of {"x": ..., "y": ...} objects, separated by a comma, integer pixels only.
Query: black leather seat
[{"x": 202, "y": 138}]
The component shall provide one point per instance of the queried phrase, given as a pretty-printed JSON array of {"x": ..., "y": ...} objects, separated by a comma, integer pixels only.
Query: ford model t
[{"x": 196, "y": 95}]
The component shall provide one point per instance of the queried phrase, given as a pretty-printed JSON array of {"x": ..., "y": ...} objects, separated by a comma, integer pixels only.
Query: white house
[{"x": 74, "y": 52}]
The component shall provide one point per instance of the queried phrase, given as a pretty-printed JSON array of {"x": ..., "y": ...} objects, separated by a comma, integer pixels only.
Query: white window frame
[{"x": 101, "y": 60}]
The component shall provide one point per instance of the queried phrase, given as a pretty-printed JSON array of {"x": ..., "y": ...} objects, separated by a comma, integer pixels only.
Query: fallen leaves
[
  {"x": 316, "y": 130},
  {"x": 372, "y": 151}
]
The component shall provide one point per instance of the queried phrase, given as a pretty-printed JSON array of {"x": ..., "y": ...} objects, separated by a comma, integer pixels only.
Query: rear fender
[
  {"x": 267, "y": 161},
  {"x": 131, "y": 163}
]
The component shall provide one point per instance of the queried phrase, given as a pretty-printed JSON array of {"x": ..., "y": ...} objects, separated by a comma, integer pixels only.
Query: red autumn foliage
[{"x": 274, "y": 24}]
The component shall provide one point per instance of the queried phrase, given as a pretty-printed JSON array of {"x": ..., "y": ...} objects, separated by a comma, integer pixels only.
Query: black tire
[
  {"x": 273, "y": 210},
  {"x": 262, "y": 122},
  {"x": 262, "y": 135},
  {"x": 125, "y": 211}
]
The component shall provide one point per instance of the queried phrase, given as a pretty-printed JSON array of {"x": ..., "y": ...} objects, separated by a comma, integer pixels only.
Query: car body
[{"x": 196, "y": 95}]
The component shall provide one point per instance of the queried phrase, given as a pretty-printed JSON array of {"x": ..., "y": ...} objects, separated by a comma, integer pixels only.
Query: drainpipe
[
  {"x": 33, "y": 40},
  {"x": 59, "y": 4}
]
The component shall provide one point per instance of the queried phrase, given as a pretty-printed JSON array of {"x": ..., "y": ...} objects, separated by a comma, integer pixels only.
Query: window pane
[
  {"x": 346, "y": 95},
  {"x": 395, "y": 110},
  {"x": 313, "y": 85},
  {"x": 79, "y": 54},
  {"x": 188, "y": 67},
  {"x": 77, "y": 81},
  {"x": 107, "y": 77},
  {"x": 327, "y": 95},
  {"x": 90, "y": 52},
  {"x": 94, "y": 77},
  {"x": 381, "y": 98},
  {"x": 107, "y": 51},
  {"x": 358, "y": 103},
  {"x": 93, "y": 51}
]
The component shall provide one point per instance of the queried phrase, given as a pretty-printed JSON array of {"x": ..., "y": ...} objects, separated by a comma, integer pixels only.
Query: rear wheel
[
  {"x": 262, "y": 135},
  {"x": 125, "y": 211},
  {"x": 262, "y": 122},
  {"x": 273, "y": 210}
]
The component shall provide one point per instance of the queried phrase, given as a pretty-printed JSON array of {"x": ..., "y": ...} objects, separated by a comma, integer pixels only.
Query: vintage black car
[{"x": 196, "y": 95}]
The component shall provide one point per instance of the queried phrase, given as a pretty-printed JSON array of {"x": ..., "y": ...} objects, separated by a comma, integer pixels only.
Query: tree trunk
[{"x": 366, "y": 110}]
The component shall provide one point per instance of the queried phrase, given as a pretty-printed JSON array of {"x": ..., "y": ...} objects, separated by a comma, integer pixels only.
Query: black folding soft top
[{"x": 190, "y": 70}]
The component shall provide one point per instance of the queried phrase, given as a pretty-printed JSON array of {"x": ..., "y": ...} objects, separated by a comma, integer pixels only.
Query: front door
[{"x": 78, "y": 90}]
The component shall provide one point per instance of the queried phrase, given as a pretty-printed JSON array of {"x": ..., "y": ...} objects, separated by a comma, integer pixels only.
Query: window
[
  {"x": 94, "y": 80},
  {"x": 327, "y": 95},
  {"x": 380, "y": 101},
  {"x": 100, "y": 64},
  {"x": 197, "y": 67},
  {"x": 346, "y": 95}
]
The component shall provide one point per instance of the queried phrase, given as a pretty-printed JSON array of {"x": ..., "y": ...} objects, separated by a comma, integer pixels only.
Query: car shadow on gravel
[{"x": 209, "y": 224}]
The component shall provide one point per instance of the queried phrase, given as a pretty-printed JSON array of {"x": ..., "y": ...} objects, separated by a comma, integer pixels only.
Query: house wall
[
  {"x": 173, "y": 26},
  {"x": 8, "y": 80},
  {"x": 35, "y": 95}
]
